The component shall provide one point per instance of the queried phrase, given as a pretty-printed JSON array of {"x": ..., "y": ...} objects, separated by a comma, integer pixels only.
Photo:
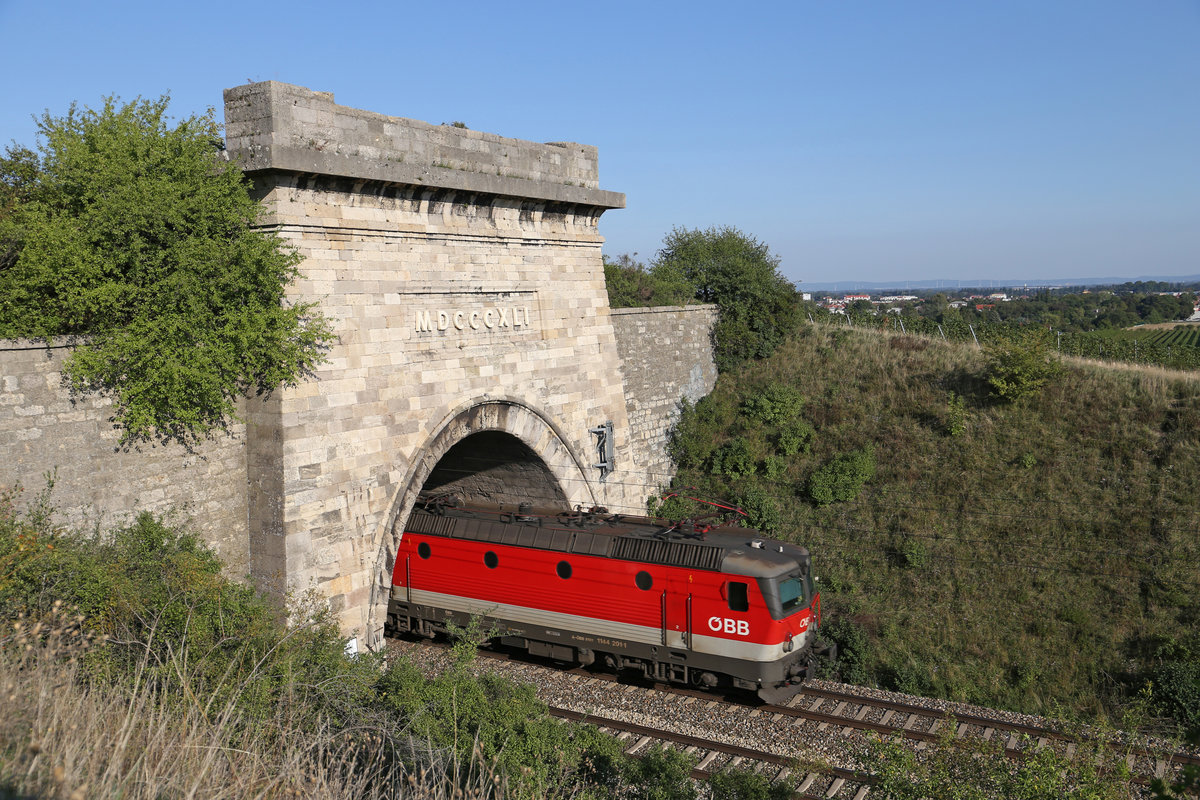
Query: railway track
[
  {"x": 925, "y": 724},
  {"x": 714, "y": 756},
  {"x": 838, "y": 721},
  {"x": 847, "y": 712}
]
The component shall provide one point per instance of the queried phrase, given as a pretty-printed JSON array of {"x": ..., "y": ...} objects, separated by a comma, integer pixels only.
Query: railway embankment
[
  {"x": 824, "y": 742},
  {"x": 1035, "y": 554}
]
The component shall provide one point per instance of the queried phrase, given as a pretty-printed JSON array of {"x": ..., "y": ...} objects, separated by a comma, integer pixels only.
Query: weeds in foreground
[
  {"x": 66, "y": 734},
  {"x": 974, "y": 769},
  {"x": 130, "y": 667}
]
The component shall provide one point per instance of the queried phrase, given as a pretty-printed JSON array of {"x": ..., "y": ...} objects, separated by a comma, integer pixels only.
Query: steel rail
[{"x": 746, "y": 753}]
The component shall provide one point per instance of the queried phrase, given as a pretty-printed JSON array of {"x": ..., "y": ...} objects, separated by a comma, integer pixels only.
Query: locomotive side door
[{"x": 676, "y": 602}]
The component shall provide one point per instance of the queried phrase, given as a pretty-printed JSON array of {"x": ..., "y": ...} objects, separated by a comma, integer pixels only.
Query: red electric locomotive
[{"x": 707, "y": 606}]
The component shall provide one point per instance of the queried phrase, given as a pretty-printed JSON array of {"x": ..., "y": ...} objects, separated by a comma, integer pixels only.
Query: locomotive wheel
[{"x": 705, "y": 680}]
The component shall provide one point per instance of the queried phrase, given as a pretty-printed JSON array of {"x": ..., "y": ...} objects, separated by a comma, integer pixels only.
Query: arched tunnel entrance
[
  {"x": 495, "y": 451},
  {"x": 495, "y": 467}
]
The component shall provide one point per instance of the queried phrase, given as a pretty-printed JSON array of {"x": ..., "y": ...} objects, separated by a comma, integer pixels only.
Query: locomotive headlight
[{"x": 789, "y": 644}]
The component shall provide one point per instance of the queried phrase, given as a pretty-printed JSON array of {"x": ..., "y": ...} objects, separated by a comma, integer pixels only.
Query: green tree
[
  {"x": 759, "y": 307},
  {"x": 140, "y": 240},
  {"x": 630, "y": 283},
  {"x": 861, "y": 306},
  {"x": 19, "y": 175}
]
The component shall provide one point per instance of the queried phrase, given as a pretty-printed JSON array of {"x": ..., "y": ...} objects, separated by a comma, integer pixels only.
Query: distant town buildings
[{"x": 894, "y": 302}]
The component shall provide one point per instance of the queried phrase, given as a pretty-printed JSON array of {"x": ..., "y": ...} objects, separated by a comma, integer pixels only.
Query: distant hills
[{"x": 980, "y": 283}]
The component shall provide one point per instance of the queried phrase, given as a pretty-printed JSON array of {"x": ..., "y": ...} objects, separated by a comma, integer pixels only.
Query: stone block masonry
[
  {"x": 42, "y": 431},
  {"x": 666, "y": 357}
]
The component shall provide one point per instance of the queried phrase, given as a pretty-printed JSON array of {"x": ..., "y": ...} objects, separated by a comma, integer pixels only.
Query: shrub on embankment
[
  {"x": 130, "y": 667},
  {"x": 1036, "y": 552}
]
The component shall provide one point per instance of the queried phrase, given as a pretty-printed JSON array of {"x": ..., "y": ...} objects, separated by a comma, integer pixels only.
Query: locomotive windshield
[{"x": 791, "y": 594}]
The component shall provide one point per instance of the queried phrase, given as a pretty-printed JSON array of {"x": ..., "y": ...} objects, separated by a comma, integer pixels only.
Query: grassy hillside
[{"x": 1039, "y": 555}]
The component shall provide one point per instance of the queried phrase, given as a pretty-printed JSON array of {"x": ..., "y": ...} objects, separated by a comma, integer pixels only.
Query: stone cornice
[{"x": 272, "y": 126}]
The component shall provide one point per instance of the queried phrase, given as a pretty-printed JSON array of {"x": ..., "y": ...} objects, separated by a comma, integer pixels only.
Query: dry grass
[
  {"x": 1147, "y": 371},
  {"x": 62, "y": 735}
]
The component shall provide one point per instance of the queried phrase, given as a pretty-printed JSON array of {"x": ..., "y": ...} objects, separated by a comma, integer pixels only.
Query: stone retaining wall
[
  {"x": 43, "y": 431},
  {"x": 666, "y": 356}
]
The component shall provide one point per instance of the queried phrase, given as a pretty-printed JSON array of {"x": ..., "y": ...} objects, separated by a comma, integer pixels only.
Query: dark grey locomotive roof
[{"x": 737, "y": 550}]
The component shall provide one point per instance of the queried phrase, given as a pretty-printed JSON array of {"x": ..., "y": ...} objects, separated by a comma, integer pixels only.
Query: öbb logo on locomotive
[
  {"x": 739, "y": 627},
  {"x": 709, "y": 604}
]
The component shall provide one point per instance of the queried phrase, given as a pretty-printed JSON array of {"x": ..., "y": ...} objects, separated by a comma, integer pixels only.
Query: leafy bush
[
  {"x": 1177, "y": 691},
  {"x": 956, "y": 415},
  {"x": 740, "y": 784},
  {"x": 631, "y": 284},
  {"x": 503, "y": 722},
  {"x": 777, "y": 404},
  {"x": 1020, "y": 367},
  {"x": 913, "y": 552},
  {"x": 692, "y": 441},
  {"x": 794, "y": 438},
  {"x": 842, "y": 478},
  {"x": 905, "y": 674},
  {"x": 854, "y": 653},
  {"x": 762, "y": 509},
  {"x": 734, "y": 459},
  {"x": 773, "y": 467},
  {"x": 660, "y": 774}
]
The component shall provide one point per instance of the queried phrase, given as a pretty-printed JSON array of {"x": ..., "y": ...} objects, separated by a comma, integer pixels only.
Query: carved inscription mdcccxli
[{"x": 491, "y": 318}]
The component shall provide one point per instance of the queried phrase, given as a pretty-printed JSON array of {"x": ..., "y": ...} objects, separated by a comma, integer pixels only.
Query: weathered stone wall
[
  {"x": 42, "y": 430},
  {"x": 666, "y": 355},
  {"x": 464, "y": 301}
]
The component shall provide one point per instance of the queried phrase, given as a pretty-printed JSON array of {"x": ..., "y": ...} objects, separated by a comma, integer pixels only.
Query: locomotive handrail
[
  {"x": 664, "y": 618},
  {"x": 687, "y": 624}
]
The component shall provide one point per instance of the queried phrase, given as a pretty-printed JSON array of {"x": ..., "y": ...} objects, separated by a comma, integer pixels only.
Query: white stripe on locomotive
[{"x": 591, "y": 626}]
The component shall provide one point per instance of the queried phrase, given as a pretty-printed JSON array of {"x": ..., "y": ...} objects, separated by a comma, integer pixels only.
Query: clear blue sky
[{"x": 877, "y": 140}]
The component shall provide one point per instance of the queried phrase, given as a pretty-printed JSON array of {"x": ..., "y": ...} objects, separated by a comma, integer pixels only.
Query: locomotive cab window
[
  {"x": 739, "y": 598},
  {"x": 791, "y": 594}
]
